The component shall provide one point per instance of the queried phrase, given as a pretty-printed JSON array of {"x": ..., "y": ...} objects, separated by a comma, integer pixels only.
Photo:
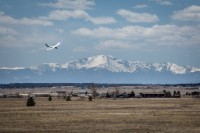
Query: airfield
[{"x": 104, "y": 115}]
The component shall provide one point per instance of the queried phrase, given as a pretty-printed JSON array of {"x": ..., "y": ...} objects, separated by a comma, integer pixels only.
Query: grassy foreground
[{"x": 121, "y": 115}]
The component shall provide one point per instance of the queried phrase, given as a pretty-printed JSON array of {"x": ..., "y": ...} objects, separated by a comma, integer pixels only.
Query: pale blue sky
[{"x": 144, "y": 30}]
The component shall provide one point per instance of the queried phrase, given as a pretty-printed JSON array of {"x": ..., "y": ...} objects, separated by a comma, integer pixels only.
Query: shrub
[
  {"x": 178, "y": 94},
  {"x": 175, "y": 93},
  {"x": 168, "y": 94},
  {"x": 30, "y": 102},
  {"x": 50, "y": 98},
  {"x": 108, "y": 95},
  {"x": 68, "y": 98},
  {"x": 90, "y": 98},
  {"x": 132, "y": 94}
]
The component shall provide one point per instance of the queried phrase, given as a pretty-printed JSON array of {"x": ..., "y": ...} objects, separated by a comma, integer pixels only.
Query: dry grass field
[{"x": 181, "y": 115}]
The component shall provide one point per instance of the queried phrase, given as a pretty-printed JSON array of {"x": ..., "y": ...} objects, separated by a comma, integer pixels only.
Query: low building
[
  {"x": 103, "y": 95},
  {"x": 23, "y": 95},
  {"x": 152, "y": 94},
  {"x": 61, "y": 93},
  {"x": 2, "y": 95},
  {"x": 54, "y": 94},
  {"x": 12, "y": 96},
  {"x": 40, "y": 94}
]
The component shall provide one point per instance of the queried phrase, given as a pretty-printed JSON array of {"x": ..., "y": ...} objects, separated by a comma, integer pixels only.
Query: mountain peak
[{"x": 96, "y": 61}]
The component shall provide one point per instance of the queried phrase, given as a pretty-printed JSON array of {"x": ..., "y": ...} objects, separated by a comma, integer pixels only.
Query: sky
[{"x": 134, "y": 30}]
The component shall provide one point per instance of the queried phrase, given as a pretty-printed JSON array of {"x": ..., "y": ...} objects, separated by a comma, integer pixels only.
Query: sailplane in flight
[{"x": 54, "y": 46}]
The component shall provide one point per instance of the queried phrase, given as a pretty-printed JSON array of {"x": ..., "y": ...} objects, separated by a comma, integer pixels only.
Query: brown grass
[{"x": 121, "y": 115}]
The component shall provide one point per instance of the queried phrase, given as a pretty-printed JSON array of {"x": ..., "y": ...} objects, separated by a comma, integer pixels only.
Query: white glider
[{"x": 53, "y": 47}]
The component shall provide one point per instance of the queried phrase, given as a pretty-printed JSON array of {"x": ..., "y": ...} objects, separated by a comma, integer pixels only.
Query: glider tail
[{"x": 47, "y": 45}]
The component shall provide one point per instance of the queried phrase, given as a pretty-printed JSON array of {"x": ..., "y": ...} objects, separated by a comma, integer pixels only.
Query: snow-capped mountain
[
  {"x": 102, "y": 69},
  {"x": 116, "y": 65}
]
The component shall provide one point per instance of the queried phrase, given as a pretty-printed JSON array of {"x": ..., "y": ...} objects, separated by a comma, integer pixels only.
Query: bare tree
[
  {"x": 117, "y": 90},
  {"x": 93, "y": 90}
]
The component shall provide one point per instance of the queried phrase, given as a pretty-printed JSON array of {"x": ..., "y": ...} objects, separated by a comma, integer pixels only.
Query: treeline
[{"x": 83, "y": 85}]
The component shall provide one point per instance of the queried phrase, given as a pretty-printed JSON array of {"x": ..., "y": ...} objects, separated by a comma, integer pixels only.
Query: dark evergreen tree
[
  {"x": 108, "y": 95},
  {"x": 167, "y": 94},
  {"x": 178, "y": 93},
  {"x": 30, "y": 102},
  {"x": 174, "y": 94},
  {"x": 90, "y": 98},
  {"x": 132, "y": 94},
  {"x": 68, "y": 98},
  {"x": 50, "y": 98}
]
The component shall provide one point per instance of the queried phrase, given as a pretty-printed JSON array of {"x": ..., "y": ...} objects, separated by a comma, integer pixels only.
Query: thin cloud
[
  {"x": 102, "y": 20},
  {"x": 137, "y": 17},
  {"x": 75, "y": 9},
  {"x": 101, "y": 32},
  {"x": 7, "y": 31},
  {"x": 58, "y": 15},
  {"x": 8, "y": 41},
  {"x": 191, "y": 13},
  {"x": 80, "y": 49},
  {"x": 24, "y": 21},
  {"x": 164, "y": 2},
  {"x": 113, "y": 44},
  {"x": 70, "y": 4},
  {"x": 157, "y": 34},
  {"x": 141, "y": 6},
  {"x": 78, "y": 14},
  {"x": 65, "y": 14},
  {"x": 26, "y": 38}
]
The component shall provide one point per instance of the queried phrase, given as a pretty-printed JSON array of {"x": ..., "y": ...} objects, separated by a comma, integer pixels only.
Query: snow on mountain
[
  {"x": 102, "y": 68},
  {"x": 194, "y": 69},
  {"x": 159, "y": 66},
  {"x": 12, "y": 68},
  {"x": 174, "y": 68},
  {"x": 111, "y": 64},
  {"x": 116, "y": 65},
  {"x": 49, "y": 66},
  {"x": 97, "y": 61},
  {"x": 101, "y": 62}
]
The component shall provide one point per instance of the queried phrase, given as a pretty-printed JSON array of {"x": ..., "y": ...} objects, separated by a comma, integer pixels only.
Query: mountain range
[{"x": 102, "y": 69}]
